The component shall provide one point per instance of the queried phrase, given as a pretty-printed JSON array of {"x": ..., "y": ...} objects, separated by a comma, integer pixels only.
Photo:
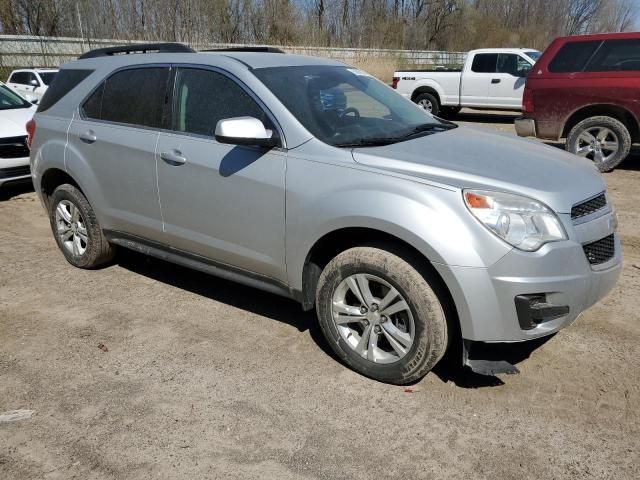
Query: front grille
[
  {"x": 588, "y": 207},
  {"x": 14, "y": 147},
  {"x": 600, "y": 251},
  {"x": 15, "y": 171}
]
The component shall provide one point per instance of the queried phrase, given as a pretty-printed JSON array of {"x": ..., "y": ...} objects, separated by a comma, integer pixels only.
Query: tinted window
[
  {"x": 203, "y": 97},
  {"x": 20, "y": 77},
  {"x": 64, "y": 82},
  {"x": 134, "y": 97},
  {"x": 47, "y": 77},
  {"x": 10, "y": 100},
  {"x": 573, "y": 56},
  {"x": 616, "y": 55},
  {"x": 484, "y": 63},
  {"x": 507, "y": 63}
]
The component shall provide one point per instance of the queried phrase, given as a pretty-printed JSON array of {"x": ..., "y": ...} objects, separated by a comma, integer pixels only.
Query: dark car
[{"x": 586, "y": 89}]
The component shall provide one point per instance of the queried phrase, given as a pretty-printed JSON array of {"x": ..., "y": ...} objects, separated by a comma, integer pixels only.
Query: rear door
[
  {"x": 507, "y": 83},
  {"x": 115, "y": 137},
  {"x": 223, "y": 202},
  {"x": 476, "y": 78}
]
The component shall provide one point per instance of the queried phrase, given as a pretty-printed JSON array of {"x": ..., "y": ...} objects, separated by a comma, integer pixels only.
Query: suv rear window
[
  {"x": 133, "y": 96},
  {"x": 615, "y": 56},
  {"x": 63, "y": 83},
  {"x": 573, "y": 56},
  {"x": 484, "y": 63}
]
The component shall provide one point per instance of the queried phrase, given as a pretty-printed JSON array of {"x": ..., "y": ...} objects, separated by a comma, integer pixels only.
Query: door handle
[
  {"x": 88, "y": 136},
  {"x": 495, "y": 80},
  {"x": 174, "y": 157}
]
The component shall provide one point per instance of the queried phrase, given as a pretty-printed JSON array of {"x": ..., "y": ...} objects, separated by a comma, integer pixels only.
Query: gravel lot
[{"x": 147, "y": 370}]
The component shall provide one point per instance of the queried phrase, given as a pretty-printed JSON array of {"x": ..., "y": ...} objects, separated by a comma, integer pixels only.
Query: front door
[
  {"x": 223, "y": 202},
  {"x": 507, "y": 84}
]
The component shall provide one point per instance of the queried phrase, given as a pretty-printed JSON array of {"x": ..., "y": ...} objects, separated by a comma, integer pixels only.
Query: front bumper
[
  {"x": 525, "y": 127},
  {"x": 14, "y": 170},
  {"x": 485, "y": 298}
]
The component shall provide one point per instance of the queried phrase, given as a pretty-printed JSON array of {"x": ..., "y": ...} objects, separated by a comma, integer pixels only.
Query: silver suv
[{"x": 310, "y": 179}]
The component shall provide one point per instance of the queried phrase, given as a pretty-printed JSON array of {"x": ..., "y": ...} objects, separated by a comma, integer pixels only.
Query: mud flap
[{"x": 484, "y": 366}]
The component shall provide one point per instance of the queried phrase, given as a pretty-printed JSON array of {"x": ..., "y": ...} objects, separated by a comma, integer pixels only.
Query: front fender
[{"x": 322, "y": 198}]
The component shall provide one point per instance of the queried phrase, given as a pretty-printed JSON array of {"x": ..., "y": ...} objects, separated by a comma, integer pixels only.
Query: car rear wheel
[
  {"x": 380, "y": 315},
  {"x": 428, "y": 102},
  {"x": 603, "y": 140},
  {"x": 76, "y": 229}
]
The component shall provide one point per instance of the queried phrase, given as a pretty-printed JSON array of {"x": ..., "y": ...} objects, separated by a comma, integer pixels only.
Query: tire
[
  {"x": 76, "y": 229},
  {"x": 603, "y": 140},
  {"x": 429, "y": 102},
  {"x": 424, "y": 315}
]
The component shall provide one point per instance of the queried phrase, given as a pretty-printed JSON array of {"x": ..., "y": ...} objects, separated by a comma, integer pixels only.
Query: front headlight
[{"x": 520, "y": 221}]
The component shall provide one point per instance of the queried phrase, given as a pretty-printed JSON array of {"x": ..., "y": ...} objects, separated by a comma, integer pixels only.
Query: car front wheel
[{"x": 380, "y": 315}]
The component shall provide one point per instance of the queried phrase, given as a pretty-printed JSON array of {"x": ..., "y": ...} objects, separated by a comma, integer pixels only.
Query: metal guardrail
[{"x": 33, "y": 51}]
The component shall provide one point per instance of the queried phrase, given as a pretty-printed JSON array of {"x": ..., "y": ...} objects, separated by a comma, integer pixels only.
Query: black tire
[
  {"x": 97, "y": 250},
  {"x": 425, "y": 99},
  {"x": 449, "y": 112},
  {"x": 619, "y": 134},
  {"x": 419, "y": 292}
]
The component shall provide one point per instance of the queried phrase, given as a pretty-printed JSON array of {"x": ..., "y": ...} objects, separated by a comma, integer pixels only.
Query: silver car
[{"x": 310, "y": 179}]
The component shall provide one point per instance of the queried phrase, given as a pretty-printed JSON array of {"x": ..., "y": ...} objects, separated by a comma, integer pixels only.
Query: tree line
[{"x": 457, "y": 25}]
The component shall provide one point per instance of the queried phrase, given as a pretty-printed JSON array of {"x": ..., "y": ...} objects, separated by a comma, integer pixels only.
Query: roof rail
[
  {"x": 138, "y": 48},
  {"x": 246, "y": 49}
]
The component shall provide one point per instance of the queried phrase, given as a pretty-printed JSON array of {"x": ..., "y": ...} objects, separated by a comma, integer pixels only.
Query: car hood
[
  {"x": 468, "y": 157},
  {"x": 13, "y": 122}
]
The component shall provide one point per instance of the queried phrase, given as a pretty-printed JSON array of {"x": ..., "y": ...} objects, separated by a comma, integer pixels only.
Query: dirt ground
[{"x": 201, "y": 378}]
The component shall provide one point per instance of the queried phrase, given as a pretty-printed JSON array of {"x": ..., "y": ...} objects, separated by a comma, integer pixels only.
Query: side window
[
  {"x": 573, "y": 56},
  {"x": 31, "y": 78},
  {"x": 19, "y": 77},
  {"x": 615, "y": 56},
  {"x": 203, "y": 97},
  {"x": 484, "y": 63},
  {"x": 507, "y": 63},
  {"x": 133, "y": 96}
]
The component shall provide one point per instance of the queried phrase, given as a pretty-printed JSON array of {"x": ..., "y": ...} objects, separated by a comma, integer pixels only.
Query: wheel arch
[
  {"x": 339, "y": 240},
  {"x": 608, "y": 110},
  {"x": 427, "y": 89},
  {"x": 51, "y": 179}
]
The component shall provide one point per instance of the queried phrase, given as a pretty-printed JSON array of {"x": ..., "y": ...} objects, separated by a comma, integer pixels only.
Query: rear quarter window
[
  {"x": 616, "y": 56},
  {"x": 573, "y": 56},
  {"x": 63, "y": 83}
]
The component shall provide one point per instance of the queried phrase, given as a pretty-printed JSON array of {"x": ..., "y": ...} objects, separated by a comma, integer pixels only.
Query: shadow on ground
[
  {"x": 478, "y": 116},
  {"x": 11, "y": 190},
  {"x": 289, "y": 312}
]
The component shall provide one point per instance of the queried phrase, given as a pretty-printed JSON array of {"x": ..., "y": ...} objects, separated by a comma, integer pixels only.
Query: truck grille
[
  {"x": 12, "y": 172},
  {"x": 588, "y": 207},
  {"x": 600, "y": 251}
]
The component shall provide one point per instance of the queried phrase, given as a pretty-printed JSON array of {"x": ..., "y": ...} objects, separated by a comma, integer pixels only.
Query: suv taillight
[
  {"x": 31, "y": 131},
  {"x": 527, "y": 100},
  {"x": 394, "y": 83}
]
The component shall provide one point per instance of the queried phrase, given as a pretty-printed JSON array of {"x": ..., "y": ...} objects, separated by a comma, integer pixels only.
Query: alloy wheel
[
  {"x": 599, "y": 144},
  {"x": 71, "y": 228},
  {"x": 426, "y": 104},
  {"x": 373, "y": 318}
]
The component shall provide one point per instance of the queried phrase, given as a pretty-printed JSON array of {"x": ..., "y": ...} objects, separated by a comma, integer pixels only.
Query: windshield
[
  {"x": 47, "y": 77},
  {"x": 345, "y": 107},
  {"x": 533, "y": 54},
  {"x": 9, "y": 99}
]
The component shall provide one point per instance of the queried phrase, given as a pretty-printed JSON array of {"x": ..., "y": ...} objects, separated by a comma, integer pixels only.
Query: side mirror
[
  {"x": 244, "y": 131},
  {"x": 34, "y": 83},
  {"x": 31, "y": 99}
]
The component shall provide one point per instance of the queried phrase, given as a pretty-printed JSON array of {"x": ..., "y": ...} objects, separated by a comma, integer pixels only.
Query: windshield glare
[
  {"x": 47, "y": 77},
  {"x": 533, "y": 55},
  {"x": 343, "y": 106},
  {"x": 9, "y": 99}
]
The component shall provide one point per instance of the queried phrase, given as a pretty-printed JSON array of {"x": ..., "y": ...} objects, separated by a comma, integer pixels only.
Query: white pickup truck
[{"x": 491, "y": 78}]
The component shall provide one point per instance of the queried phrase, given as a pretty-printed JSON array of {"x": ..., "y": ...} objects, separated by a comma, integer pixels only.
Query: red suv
[{"x": 586, "y": 89}]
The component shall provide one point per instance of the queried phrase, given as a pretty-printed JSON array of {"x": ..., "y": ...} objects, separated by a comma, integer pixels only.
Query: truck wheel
[
  {"x": 428, "y": 102},
  {"x": 603, "y": 140},
  {"x": 76, "y": 229},
  {"x": 380, "y": 315}
]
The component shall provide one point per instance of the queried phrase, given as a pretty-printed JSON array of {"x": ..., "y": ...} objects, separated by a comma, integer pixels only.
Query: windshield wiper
[{"x": 381, "y": 141}]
